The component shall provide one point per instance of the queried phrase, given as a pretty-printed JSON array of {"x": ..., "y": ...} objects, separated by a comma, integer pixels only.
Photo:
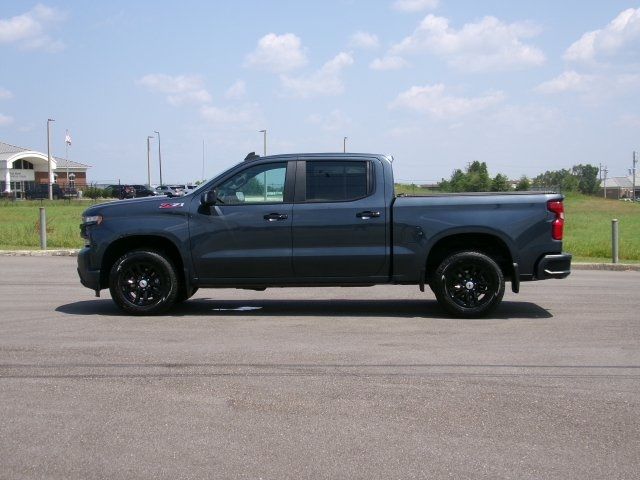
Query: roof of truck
[{"x": 332, "y": 155}]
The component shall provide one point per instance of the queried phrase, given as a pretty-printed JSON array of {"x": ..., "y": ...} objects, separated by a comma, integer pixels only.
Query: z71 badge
[{"x": 171, "y": 205}]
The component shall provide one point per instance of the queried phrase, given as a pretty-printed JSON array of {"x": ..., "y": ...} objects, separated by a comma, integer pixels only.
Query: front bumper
[
  {"x": 554, "y": 266},
  {"x": 88, "y": 277}
]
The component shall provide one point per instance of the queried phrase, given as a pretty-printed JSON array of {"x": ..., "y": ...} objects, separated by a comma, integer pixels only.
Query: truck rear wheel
[
  {"x": 143, "y": 282},
  {"x": 468, "y": 284}
]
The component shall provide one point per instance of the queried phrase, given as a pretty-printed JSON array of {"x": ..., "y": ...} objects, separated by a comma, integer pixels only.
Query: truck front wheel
[
  {"x": 468, "y": 284},
  {"x": 143, "y": 282}
]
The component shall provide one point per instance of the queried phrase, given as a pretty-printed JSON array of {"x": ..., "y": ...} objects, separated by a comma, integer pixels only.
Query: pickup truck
[{"x": 315, "y": 220}]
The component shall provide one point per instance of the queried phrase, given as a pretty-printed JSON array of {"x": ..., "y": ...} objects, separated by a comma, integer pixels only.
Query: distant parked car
[
  {"x": 122, "y": 191},
  {"x": 143, "y": 191},
  {"x": 187, "y": 188},
  {"x": 169, "y": 191},
  {"x": 41, "y": 192}
]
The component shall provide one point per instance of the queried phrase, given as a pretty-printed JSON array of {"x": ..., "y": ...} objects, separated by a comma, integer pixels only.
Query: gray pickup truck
[{"x": 314, "y": 220}]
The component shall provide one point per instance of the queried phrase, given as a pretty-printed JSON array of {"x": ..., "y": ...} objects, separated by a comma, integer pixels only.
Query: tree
[
  {"x": 475, "y": 179},
  {"x": 478, "y": 179},
  {"x": 524, "y": 184},
  {"x": 500, "y": 183},
  {"x": 587, "y": 178},
  {"x": 561, "y": 180}
]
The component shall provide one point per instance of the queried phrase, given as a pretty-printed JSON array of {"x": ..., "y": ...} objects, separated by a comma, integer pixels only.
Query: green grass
[
  {"x": 587, "y": 231},
  {"x": 588, "y": 227},
  {"x": 19, "y": 223}
]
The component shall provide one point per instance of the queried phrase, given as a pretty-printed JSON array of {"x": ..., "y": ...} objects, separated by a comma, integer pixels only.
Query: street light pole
[
  {"x": 344, "y": 145},
  {"x": 264, "y": 149},
  {"x": 159, "y": 156},
  {"x": 49, "y": 120},
  {"x": 149, "y": 137},
  {"x": 633, "y": 172}
]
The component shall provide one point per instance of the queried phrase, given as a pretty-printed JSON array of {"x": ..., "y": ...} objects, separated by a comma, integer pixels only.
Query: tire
[
  {"x": 468, "y": 284},
  {"x": 143, "y": 282}
]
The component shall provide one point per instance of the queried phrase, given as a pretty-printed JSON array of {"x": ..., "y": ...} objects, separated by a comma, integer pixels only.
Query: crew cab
[{"x": 314, "y": 220}]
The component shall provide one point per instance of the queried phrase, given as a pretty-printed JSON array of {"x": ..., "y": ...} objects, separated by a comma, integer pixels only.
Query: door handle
[
  {"x": 366, "y": 215},
  {"x": 275, "y": 217}
]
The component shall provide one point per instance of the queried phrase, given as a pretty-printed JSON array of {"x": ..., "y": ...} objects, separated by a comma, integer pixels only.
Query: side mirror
[{"x": 209, "y": 198}]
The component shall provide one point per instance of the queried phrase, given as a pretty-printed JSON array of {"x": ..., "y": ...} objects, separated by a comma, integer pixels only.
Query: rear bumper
[
  {"x": 89, "y": 278},
  {"x": 554, "y": 266}
]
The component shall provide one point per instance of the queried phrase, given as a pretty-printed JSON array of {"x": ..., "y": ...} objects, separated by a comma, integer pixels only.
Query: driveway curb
[
  {"x": 74, "y": 253},
  {"x": 40, "y": 253}
]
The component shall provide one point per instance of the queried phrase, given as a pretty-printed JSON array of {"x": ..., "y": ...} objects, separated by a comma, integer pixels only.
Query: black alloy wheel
[
  {"x": 143, "y": 282},
  {"x": 468, "y": 284}
]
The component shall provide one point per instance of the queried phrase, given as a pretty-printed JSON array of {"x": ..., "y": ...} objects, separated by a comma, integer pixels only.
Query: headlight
[{"x": 92, "y": 220}]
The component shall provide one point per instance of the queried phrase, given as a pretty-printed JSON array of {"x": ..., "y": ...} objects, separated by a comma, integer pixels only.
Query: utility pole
[
  {"x": 159, "y": 156},
  {"x": 149, "y": 137},
  {"x": 605, "y": 171},
  {"x": 202, "y": 160},
  {"x": 49, "y": 120}
]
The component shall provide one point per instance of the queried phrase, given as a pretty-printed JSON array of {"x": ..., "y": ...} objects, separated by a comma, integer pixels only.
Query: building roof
[
  {"x": 7, "y": 150},
  {"x": 617, "y": 182},
  {"x": 62, "y": 163}
]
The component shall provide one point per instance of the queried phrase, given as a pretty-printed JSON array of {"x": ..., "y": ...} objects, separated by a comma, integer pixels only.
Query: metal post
[
  {"x": 149, "y": 137},
  {"x": 43, "y": 229},
  {"x": 606, "y": 170},
  {"x": 633, "y": 172},
  {"x": 159, "y": 156},
  {"x": 344, "y": 145},
  {"x": 66, "y": 160},
  {"x": 49, "y": 120},
  {"x": 614, "y": 240},
  {"x": 264, "y": 148}
]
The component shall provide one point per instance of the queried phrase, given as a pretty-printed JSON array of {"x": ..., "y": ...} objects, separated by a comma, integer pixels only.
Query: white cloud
[
  {"x": 488, "y": 44},
  {"x": 5, "y": 120},
  {"x": 526, "y": 119},
  {"x": 29, "y": 30},
  {"x": 5, "y": 94},
  {"x": 247, "y": 114},
  {"x": 414, "y": 5},
  {"x": 620, "y": 34},
  {"x": 326, "y": 81},
  {"x": 594, "y": 89},
  {"x": 388, "y": 63},
  {"x": 336, "y": 120},
  {"x": 364, "y": 40},
  {"x": 434, "y": 101},
  {"x": 180, "y": 89},
  {"x": 569, "y": 81},
  {"x": 278, "y": 53},
  {"x": 236, "y": 91}
]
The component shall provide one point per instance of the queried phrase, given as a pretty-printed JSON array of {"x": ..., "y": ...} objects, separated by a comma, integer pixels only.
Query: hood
[{"x": 133, "y": 206}]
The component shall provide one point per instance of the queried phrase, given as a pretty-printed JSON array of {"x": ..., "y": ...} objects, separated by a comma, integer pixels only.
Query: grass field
[
  {"x": 588, "y": 227},
  {"x": 587, "y": 231},
  {"x": 19, "y": 223}
]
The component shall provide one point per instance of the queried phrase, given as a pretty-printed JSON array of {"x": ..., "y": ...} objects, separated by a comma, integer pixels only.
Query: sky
[{"x": 523, "y": 86}]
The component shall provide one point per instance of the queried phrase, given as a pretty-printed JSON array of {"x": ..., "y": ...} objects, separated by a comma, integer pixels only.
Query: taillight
[{"x": 557, "y": 227}]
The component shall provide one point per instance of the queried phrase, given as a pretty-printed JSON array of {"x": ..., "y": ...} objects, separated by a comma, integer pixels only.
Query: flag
[{"x": 67, "y": 139}]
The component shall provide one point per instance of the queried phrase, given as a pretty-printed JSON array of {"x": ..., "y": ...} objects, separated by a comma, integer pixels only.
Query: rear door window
[{"x": 337, "y": 181}]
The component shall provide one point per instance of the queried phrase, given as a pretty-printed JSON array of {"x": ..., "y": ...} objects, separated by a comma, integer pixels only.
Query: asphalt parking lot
[{"x": 318, "y": 383}]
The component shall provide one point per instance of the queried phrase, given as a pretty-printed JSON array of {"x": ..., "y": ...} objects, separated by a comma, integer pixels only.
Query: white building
[{"x": 23, "y": 168}]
